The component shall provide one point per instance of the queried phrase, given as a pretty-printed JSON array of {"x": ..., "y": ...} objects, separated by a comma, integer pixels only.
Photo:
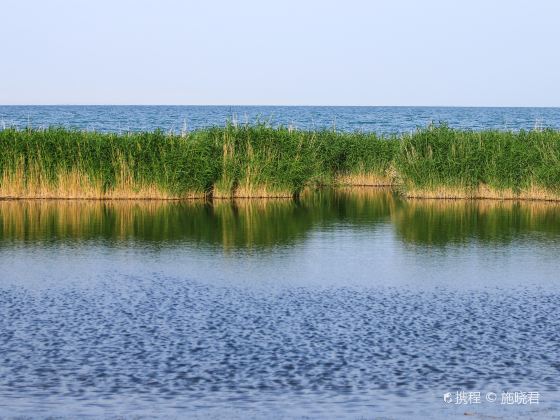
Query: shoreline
[{"x": 396, "y": 189}]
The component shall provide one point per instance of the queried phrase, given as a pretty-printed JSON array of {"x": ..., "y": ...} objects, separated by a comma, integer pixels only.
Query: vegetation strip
[{"x": 260, "y": 161}]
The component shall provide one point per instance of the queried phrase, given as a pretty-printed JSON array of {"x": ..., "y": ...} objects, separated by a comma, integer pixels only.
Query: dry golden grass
[
  {"x": 221, "y": 193},
  {"x": 76, "y": 184},
  {"x": 364, "y": 179},
  {"x": 364, "y": 191},
  {"x": 483, "y": 192},
  {"x": 482, "y": 206},
  {"x": 249, "y": 190}
]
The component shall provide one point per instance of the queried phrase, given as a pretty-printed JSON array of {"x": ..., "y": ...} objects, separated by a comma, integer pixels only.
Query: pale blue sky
[{"x": 289, "y": 52}]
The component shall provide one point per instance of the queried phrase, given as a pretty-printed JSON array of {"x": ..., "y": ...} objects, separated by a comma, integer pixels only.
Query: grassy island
[{"x": 260, "y": 161}]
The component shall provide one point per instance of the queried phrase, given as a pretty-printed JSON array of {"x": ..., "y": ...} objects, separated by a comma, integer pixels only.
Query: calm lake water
[
  {"x": 339, "y": 305},
  {"x": 348, "y": 118}
]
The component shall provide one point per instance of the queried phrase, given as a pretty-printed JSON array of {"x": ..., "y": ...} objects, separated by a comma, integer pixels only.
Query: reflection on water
[
  {"x": 442, "y": 222},
  {"x": 342, "y": 304},
  {"x": 269, "y": 223}
]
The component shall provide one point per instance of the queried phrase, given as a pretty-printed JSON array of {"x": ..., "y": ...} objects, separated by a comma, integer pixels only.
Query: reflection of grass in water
[
  {"x": 258, "y": 223},
  {"x": 246, "y": 224},
  {"x": 47, "y": 219},
  {"x": 438, "y": 222},
  {"x": 228, "y": 223},
  {"x": 351, "y": 205}
]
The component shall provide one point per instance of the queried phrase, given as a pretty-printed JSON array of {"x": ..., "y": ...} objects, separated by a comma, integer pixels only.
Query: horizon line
[{"x": 285, "y": 105}]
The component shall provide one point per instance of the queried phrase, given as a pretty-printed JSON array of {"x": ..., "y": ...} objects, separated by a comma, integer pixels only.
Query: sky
[{"x": 289, "y": 52}]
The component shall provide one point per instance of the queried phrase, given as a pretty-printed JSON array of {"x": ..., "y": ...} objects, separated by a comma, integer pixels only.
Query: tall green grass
[
  {"x": 440, "y": 160},
  {"x": 260, "y": 161},
  {"x": 246, "y": 161},
  {"x": 37, "y": 161}
]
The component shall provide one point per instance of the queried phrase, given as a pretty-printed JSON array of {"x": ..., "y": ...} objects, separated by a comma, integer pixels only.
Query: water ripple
[{"x": 174, "y": 339}]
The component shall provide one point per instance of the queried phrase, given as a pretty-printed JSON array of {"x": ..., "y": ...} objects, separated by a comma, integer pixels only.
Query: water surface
[
  {"x": 343, "y": 304},
  {"x": 380, "y": 119}
]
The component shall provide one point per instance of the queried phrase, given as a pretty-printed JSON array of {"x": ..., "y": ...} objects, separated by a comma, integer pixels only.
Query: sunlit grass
[
  {"x": 248, "y": 161},
  {"x": 260, "y": 161},
  {"x": 441, "y": 162}
]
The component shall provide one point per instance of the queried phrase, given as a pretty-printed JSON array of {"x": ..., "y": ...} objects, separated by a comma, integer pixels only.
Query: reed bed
[
  {"x": 229, "y": 162},
  {"x": 440, "y": 162},
  {"x": 259, "y": 161}
]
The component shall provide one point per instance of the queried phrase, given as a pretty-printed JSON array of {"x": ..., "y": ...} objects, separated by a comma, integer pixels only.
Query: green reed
[
  {"x": 501, "y": 160},
  {"x": 260, "y": 161},
  {"x": 245, "y": 161}
]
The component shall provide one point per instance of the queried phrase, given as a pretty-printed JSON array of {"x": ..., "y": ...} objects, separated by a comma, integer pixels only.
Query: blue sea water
[
  {"x": 343, "y": 118},
  {"x": 350, "y": 305},
  {"x": 345, "y": 306}
]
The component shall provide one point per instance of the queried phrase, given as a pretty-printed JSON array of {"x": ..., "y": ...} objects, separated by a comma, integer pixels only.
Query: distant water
[
  {"x": 340, "y": 305},
  {"x": 373, "y": 119}
]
